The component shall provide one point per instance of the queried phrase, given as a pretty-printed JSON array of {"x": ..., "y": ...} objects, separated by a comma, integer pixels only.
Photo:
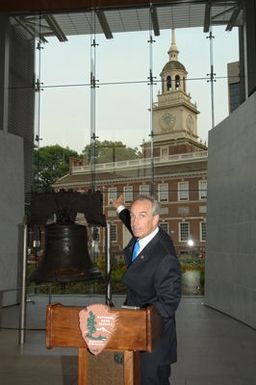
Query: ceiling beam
[
  {"x": 29, "y": 29},
  {"x": 154, "y": 20},
  {"x": 233, "y": 18},
  {"x": 54, "y": 26},
  {"x": 207, "y": 16},
  {"x": 104, "y": 23}
]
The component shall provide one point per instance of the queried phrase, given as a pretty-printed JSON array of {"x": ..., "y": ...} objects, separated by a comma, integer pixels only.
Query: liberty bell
[{"x": 66, "y": 256}]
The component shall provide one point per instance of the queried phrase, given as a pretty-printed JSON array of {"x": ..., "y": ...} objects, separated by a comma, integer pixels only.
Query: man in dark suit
[{"x": 152, "y": 277}]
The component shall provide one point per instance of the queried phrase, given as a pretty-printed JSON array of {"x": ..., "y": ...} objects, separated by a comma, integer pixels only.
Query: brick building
[{"x": 173, "y": 167}]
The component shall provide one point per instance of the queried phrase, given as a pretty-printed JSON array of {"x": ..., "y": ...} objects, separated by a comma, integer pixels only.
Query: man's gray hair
[{"x": 155, "y": 204}]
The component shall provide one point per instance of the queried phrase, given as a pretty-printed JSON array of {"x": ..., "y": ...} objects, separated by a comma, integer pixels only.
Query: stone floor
[{"x": 214, "y": 349}]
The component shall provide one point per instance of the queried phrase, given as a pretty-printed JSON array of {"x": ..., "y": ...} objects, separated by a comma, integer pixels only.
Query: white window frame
[
  {"x": 164, "y": 226},
  {"x": 128, "y": 194},
  {"x": 144, "y": 189},
  {"x": 163, "y": 192},
  {"x": 112, "y": 195},
  {"x": 202, "y": 189},
  {"x": 183, "y": 191},
  {"x": 181, "y": 231},
  {"x": 113, "y": 233},
  {"x": 164, "y": 152},
  {"x": 203, "y": 231}
]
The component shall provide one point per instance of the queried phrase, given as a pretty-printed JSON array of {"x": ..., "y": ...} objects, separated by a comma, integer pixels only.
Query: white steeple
[{"x": 173, "y": 51}]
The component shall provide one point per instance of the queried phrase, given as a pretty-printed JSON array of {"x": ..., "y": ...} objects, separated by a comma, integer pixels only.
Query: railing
[
  {"x": 37, "y": 298},
  {"x": 135, "y": 163}
]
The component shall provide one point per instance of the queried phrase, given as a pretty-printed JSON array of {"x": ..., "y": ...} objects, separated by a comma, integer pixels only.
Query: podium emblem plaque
[{"x": 97, "y": 325}]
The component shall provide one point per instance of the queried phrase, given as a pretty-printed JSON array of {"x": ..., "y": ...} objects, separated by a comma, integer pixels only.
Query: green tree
[
  {"x": 49, "y": 164},
  {"x": 108, "y": 151},
  {"x": 91, "y": 324}
]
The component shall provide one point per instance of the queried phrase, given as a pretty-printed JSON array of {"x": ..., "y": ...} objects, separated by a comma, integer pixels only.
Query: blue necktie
[{"x": 136, "y": 250}]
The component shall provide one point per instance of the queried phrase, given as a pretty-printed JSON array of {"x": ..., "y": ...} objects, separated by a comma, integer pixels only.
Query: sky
[{"x": 122, "y": 98}]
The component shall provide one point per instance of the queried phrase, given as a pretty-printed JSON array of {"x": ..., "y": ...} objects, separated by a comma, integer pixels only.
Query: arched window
[
  {"x": 168, "y": 82},
  {"x": 177, "y": 82}
]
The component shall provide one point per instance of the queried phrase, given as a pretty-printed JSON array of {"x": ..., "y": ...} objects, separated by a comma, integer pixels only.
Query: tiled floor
[{"x": 214, "y": 349}]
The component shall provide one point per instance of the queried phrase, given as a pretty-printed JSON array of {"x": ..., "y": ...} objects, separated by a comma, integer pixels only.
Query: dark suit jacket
[{"x": 155, "y": 278}]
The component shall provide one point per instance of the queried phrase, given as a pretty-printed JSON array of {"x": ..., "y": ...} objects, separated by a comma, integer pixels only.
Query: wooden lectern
[{"x": 137, "y": 330}]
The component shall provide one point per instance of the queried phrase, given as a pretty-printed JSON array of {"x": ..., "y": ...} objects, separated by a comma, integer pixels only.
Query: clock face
[
  {"x": 167, "y": 121},
  {"x": 190, "y": 123}
]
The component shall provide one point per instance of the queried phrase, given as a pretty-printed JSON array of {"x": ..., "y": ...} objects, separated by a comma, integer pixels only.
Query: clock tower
[{"x": 174, "y": 114}]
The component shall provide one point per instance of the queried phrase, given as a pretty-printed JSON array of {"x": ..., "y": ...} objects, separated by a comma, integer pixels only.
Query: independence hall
[{"x": 173, "y": 167}]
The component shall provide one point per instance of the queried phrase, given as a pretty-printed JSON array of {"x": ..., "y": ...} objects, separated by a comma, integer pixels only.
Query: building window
[
  {"x": 234, "y": 91},
  {"x": 168, "y": 82},
  {"x": 164, "y": 226},
  {"x": 164, "y": 152},
  {"x": 163, "y": 193},
  {"x": 112, "y": 195},
  {"x": 202, "y": 189},
  {"x": 202, "y": 231},
  {"x": 184, "y": 231},
  {"x": 128, "y": 194},
  {"x": 183, "y": 191},
  {"x": 113, "y": 233},
  {"x": 144, "y": 189},
  {"x": 177, "y": 82}
]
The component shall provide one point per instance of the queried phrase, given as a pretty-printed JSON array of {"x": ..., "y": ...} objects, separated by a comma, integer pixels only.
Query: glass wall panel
[{"x": 135, "y": 109}]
